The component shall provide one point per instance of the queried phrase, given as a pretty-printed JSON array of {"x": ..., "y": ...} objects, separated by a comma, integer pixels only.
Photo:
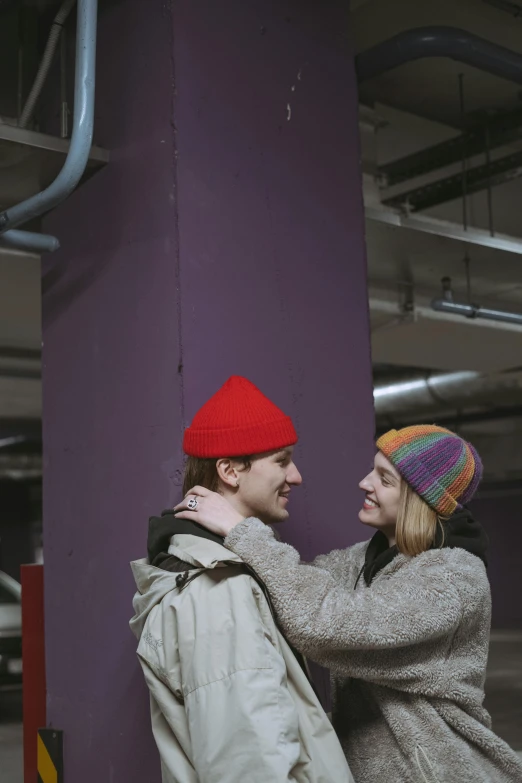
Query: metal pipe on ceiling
[
  {"x": 475, "y": 311},
  {"x": 434, "y": 393},
  {"x": 439, "y": 41},
  {"x": 82, "y": 132},
  {"x": 446, "y": 304},
  {"x": 30, "y": 241}
]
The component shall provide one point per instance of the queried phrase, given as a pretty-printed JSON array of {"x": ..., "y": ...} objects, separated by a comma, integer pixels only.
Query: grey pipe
[
  {"x": 475, "y": 311},
  {"x": 441, "y": 41},
  {"x": 83, "y": 119},
  {"x": 439, "y": 392},
  {"x": 29, "y": 241}
]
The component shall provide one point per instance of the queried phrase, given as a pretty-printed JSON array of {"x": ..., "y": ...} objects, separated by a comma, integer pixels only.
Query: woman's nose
[{"x": 366, "y": 483}]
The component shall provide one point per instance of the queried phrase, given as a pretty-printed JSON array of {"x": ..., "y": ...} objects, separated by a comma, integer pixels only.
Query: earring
[{"x": 237, "y": 482}]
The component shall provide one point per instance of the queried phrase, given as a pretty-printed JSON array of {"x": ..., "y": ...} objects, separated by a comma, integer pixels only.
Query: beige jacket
[
  {"x": 229, "y": 701},
  {"x": 408, "y": 655}
]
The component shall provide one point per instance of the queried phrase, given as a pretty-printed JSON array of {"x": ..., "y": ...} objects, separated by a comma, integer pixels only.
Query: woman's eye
[{"x": 385, "y": 483}]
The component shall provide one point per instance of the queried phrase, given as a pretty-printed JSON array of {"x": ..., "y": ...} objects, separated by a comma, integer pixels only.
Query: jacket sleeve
[
  {"x": 337, "y": 626},
  {"x": 343, "y": 565},
  {"x": 242, "y": 720}
]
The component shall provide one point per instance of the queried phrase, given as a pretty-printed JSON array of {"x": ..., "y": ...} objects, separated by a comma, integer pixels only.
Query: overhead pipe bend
[
  {"x": 439, "y": 41},
  {"x": 81, "y": 139}
]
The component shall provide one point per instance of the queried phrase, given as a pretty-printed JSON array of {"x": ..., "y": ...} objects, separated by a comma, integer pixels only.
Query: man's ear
[{"x": 227, "y": 471}]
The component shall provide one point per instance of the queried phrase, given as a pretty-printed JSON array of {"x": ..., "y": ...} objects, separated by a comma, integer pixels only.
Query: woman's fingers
[
  {"x": 187, "y": 515},
  {"x": 190, "y": 502},
  {"x": 201, "y": 491},
  {"x": 211, "y": 510}
]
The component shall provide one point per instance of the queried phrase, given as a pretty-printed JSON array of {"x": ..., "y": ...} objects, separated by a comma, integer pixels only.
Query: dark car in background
[{"x": 10, "y": 633}]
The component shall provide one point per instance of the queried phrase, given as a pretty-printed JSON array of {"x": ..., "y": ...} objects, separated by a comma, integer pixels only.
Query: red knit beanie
[{"x": 238, "y": 421}]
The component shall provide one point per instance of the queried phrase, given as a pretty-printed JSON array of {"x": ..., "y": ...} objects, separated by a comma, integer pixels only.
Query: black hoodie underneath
[
  {"x": 161, "y": 530},
  {"x": 461, "y": 530}
]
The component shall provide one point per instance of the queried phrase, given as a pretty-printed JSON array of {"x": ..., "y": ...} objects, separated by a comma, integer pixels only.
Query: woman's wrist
[{"x": 230, "y": 524}]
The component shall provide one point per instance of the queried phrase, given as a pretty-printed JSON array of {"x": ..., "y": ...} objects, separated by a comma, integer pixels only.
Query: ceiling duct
[{"x": 437, "y": 394}]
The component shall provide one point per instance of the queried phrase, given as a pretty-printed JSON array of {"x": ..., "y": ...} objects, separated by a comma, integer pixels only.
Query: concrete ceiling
[
  {"x": 426, "y": 89},
  {"x": 399, "y": 257},
  {"x": 414, "y": 107}
]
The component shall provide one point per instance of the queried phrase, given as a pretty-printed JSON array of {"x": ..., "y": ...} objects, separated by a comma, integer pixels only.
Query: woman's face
[{"x": 381, "y": 504}]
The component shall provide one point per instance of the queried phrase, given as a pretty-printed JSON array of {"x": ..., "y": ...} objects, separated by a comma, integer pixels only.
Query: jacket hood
[
  {"x": 161, "y": 530},
  {"x": 461, "y": 531},
  {"x": 182, "y": 541}
]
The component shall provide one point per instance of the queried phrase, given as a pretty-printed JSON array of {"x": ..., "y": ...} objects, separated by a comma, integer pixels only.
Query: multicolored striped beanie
[{"x": 442, "y": 468}]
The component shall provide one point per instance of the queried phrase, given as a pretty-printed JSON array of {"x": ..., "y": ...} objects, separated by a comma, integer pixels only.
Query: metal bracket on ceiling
[
  {"x": 498, "y": 130},
  {"x": 440, "y": 191}
]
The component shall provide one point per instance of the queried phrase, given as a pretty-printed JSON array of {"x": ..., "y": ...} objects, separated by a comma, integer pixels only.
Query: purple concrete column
[
  {"x": 501, "y": 516},
  {"x": 226, "y": 236}
]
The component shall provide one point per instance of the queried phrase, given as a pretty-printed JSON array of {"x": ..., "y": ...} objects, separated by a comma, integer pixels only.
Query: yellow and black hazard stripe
[{"x": 50, "y": 756}]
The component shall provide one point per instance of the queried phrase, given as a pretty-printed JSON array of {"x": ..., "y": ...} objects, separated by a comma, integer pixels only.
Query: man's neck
[
  {"x": 238, "y": 506},
  {"x": 235, "y": 502}
]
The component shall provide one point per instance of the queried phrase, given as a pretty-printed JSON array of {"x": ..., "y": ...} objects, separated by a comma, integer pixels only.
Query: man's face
[{"x": 264, "y": 490}]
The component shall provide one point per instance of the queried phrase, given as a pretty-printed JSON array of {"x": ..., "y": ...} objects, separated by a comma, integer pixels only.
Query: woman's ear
[{"x": 227, "y": 472}]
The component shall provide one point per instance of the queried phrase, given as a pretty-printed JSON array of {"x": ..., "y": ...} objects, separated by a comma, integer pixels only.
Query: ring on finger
[{"x": 192, "y": 504}]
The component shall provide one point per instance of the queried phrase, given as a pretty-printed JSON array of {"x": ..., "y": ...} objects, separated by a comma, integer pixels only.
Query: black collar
[
  {"x": 378, "y": 555},
  {"x": 161, "y": 530},
  {"x": 460, "y": 531}
]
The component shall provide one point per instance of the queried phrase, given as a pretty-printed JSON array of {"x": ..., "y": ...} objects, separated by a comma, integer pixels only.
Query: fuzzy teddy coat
[{"x": 408, "y": 655}]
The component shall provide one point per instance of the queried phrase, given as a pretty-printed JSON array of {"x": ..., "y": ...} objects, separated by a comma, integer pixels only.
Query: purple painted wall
[
  {"x": 226, "y": 236},
  {"x": 273, "y": 277},
  {"x": 502, "y": 518}
]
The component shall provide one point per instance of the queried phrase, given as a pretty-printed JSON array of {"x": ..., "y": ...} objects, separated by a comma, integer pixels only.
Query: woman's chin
[{"x": 366, "y": 517}]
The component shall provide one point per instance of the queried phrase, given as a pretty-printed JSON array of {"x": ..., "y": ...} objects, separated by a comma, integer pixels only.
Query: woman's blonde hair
[{"x": 417, "y": 523}]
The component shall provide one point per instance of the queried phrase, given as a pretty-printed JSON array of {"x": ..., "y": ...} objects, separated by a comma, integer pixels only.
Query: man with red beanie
[{"x": 209, "y": 644}]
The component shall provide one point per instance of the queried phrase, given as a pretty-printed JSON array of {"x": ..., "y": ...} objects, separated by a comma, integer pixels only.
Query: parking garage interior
[{"x": 375, "y": 201}]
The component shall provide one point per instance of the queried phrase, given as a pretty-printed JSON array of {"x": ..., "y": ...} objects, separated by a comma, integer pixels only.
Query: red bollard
[{"x": 33, "y": 657}]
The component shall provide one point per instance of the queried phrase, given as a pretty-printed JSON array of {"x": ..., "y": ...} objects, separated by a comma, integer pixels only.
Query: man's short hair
[{"x": 202, "y": 472}]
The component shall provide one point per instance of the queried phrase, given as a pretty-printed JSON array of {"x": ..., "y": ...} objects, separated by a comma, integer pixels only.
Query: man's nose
[{"x": 293, "y": 476}]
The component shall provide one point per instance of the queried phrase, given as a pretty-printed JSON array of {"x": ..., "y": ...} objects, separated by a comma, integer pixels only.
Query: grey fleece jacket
[{"x": 408, "y": 656}]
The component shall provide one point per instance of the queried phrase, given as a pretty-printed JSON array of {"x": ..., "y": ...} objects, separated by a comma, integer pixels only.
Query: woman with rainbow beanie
[{"x": 402, "y": 620}]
